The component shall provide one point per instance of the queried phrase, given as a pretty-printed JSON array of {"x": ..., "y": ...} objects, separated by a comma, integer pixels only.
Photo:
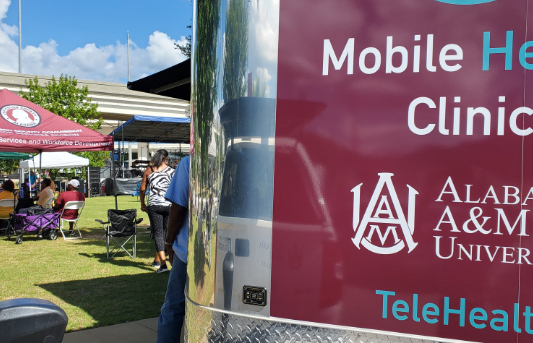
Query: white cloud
[
  {"x": 161, "y": 49},
  {"x": 4, "y": 6},
  {"x": 90, "y": 62},
  {"x": 264, "y": 76},
  {"x": 265, "y": 19}
]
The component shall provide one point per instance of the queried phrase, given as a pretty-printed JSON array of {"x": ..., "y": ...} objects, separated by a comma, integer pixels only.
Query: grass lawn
[{"x": 77, "y": 276}]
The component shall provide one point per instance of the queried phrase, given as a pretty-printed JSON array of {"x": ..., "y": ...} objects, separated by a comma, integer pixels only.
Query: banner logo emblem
[
  {"x": 465, "y": 2},
  {"x": 398, "y": 231},
  {"x": 20, "y": 115}
]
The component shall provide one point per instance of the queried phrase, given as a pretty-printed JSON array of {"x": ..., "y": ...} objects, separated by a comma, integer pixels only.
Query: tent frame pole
[
  {"x": 114, "y": 174},
  {"x": 40, "y": 167},
  {"x": 121, "y": 151},
  {"x": 88, "y": 184}
]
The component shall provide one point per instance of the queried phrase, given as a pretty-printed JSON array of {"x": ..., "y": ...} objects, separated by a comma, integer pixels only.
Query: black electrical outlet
[{"x": 254, "y": 295}]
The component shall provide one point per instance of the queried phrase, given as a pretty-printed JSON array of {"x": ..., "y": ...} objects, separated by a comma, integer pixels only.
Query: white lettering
[
  {"x": 449, "y": 183},
  {"x": 470, "y": 120},
  {"x": 514, "y": 195},
  {"x": 389, "y": 67},
  {"x": 443, "y": 57},
  {"x": 450, "y": 221},
  {"x": 514, "y": 116},
  {"x": 377, "y": 60},
  {"x": 337, "y": 63},
  {"x": 437, "y": 247},
  {"x": 521, "y": 218},
  {"x": 411, "y": 116}
]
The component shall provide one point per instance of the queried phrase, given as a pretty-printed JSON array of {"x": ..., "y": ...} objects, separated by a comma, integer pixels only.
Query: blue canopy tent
[
  {"x": 154, "y": 130},
  {"x": 149, "y": 129}
]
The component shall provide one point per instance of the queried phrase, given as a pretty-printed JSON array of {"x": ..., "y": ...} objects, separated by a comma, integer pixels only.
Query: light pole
[
  {"x": 20, "y": 38},
  {"x": 128, "y": 52}
]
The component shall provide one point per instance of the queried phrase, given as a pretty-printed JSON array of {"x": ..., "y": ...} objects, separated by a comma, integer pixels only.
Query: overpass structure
[{"x": 116, "y": 103}]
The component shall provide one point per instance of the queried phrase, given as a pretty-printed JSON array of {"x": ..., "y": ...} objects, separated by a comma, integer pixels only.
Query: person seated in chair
[
  {"x": 25, "y": 199},
  {"x": 7, "y": 193},
  {"x": 25, "y": 187},
  {"x": 46, "y": 196},
  {"x": 71, "y": 194}
]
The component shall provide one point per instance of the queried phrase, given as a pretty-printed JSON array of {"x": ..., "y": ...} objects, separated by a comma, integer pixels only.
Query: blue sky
[{"x": 87, "y": 39}]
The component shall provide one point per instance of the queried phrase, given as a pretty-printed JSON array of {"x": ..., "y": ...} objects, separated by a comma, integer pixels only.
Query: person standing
[
  {"x": 173, "y": 309},
  {"x": 157, "y": 179},
  {"x": 71, "y": 194},
  {"x": 33, "y": 180}
]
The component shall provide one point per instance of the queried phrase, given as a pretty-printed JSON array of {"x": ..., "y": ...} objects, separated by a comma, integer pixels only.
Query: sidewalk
[{"x": 142, "y": 331}]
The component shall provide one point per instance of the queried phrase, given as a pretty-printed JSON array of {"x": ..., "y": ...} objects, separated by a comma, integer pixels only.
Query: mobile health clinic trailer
[{"x": 362, "y": 171}]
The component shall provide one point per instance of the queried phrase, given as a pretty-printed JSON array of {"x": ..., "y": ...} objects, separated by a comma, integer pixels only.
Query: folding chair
[
  {"x": 49, "y": 203},
  {"x": 72, "y": 205},
  {"x": 7, "y": 203},
  {"x": 137, "y": 191},
  {"x": 121, "y": 227}
]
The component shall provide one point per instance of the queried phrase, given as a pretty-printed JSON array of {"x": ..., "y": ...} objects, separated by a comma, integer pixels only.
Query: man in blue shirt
[
  {"x": 173, "y": 309},
  {"x": 33, "y": 180}
]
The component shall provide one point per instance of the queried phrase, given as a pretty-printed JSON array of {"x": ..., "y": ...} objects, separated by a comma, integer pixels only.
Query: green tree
[
  {"x": 235, "y": 51},
  {"x": 9, "y": 166},
  {"x": 63, "y": 97},
  {"x": 186, "y": 47}
]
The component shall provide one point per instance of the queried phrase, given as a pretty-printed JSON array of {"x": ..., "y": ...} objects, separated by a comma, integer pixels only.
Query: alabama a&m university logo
[
  {"x": 384, "y": 217},
  {"x": 20, "y": 115}
]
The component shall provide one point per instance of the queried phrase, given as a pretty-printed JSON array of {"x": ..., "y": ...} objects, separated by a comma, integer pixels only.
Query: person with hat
[{"x": 71, "y": 194}]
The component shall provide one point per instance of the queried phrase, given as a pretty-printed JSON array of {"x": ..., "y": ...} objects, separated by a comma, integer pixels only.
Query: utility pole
[
  {"x": 128, "y": 56},
  {"x": 20, "y": 38}
]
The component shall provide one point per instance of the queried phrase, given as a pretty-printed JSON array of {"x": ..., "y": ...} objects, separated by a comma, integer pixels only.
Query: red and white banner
[{"x": 26, "y": 127}]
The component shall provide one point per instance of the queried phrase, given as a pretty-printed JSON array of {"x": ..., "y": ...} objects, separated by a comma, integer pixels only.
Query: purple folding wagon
[{"x": 46, "y": 224}]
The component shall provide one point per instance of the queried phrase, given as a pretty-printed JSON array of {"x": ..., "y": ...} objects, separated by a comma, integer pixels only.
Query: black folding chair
[{"x": 121, "y": 227}]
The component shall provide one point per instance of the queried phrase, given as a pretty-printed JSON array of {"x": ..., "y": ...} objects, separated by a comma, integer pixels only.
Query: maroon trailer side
[{"x": 364, "y": 173}]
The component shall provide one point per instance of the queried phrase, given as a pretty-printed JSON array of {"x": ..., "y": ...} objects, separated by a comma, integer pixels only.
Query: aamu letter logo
[
  {"x": 465, "y": 2},
  {"x": 379, "y": 216},
  {"x": 20, "y": 115}
]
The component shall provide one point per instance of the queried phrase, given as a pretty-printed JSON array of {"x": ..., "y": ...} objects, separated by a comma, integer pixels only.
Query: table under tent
[
  {"x": 55, "y": 160},
  {"x": 148, "y": 129}
]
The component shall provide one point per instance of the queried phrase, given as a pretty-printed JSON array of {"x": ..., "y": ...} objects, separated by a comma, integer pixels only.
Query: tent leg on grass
[{"x": 114, "y": 175}]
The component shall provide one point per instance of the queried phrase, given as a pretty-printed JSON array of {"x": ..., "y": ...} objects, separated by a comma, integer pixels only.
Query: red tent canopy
[{"x": 26, "y": 127}]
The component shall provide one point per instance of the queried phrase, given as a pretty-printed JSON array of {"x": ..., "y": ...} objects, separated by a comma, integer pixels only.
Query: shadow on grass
[
  {"x": 120, "y": 263},
  {"x": 145, "y": 250},
  {"x": 25, "y": 238},
  {"x": 115, "y": 299}
]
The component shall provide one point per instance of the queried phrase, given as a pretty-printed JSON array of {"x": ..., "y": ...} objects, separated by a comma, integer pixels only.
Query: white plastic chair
[
  {"x": 72, "y": 205},
  {"x": 7, "y": 203}
]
